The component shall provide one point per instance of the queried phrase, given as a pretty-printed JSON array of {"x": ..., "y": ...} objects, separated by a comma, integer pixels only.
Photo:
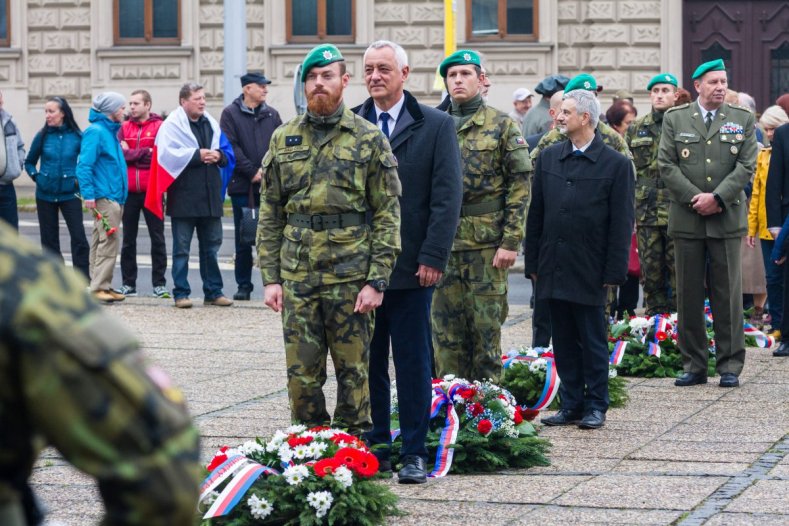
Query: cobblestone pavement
[{"x": 694, "y": 455}]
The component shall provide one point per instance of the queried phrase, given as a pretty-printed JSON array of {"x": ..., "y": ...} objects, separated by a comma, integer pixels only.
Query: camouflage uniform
[
  {"x": 470, "y": 301},
  {"x": 655, "y": 247},
  {"x": 612, "y": 139},
  {"x": 71, "y": 377},
  {"x": 313, "y": 183}
]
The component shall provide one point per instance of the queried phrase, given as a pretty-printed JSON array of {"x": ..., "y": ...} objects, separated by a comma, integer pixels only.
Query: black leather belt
[
  {"x": 485, "y": 207},
  {"x": 320, "y": 222}
]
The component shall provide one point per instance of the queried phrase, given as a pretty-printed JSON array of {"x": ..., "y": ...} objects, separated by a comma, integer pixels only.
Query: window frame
[
  {"x": 321, "y": 36},
  {"x": 148, "y": 39},
  {"x": 6, "y": 42},
  {"x": 502, "y": 35}
]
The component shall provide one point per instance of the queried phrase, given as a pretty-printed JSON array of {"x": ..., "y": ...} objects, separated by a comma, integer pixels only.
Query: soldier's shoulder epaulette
[
  {"x": 739, "y": 107},
  {"x": 680, "y": 107}
]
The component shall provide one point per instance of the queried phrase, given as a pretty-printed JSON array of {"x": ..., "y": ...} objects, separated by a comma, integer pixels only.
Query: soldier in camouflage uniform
[
  {"x": 324, "y": 264},
  {"x": 71, "y": 377},
  {"x": 610, "y": 136},
  {"x": 655, "y": 247},
  {"x": 470, "y": 302}
]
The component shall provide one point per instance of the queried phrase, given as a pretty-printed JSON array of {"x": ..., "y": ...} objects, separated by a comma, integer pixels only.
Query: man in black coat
[
  {"x": 425, "y": 144},
  {"x": 248, "y": 123},
  {"x": 777, "y": 204},
  {"x": 577, "y": 245}
]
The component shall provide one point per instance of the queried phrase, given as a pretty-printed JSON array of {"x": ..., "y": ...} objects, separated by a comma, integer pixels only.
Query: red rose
[
  {"x": 529, "y": 414},
  {"x": 484, "y": 427},
  {"x": 518, "y": 418},
  {"x": 111, "y": 231},
  {"x": 467, "y": 393},
  {"x": 219, "y": 458},
  {"x": 326, "y": 466},
  {"x": 477, "y": 409}
]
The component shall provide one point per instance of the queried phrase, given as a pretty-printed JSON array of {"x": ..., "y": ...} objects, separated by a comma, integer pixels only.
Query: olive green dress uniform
[
  {"x": 470, "y": 302},
  {"x": 72, "y": 377},
  {"x": 655, "y": 246},
  {"x": 320, "y": 183},
  {"x": 720, "y": 160}
]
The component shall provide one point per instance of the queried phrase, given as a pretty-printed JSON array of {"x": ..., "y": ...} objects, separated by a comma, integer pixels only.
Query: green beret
[
  {"x": 663, "y": 78},
  {"x": 460, "y": 57},
  {"x": 712, "y": 65},
  {"x": 318, "y": 57},
  {"x": 583, "y": 81}
]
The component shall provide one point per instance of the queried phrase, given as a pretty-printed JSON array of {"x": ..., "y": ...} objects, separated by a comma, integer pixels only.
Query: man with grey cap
[
  {"x": 101, "y": 172},
  {"x": 522, "y": 100},
  {"x": 248, "y": 122},
  {"x": 538, "y": 120}
]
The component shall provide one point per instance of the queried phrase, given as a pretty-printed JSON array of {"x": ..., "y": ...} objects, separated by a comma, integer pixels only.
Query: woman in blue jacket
[{"x": 57, "y": 146}]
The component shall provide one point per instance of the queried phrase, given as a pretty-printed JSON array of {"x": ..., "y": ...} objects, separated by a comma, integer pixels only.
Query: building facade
[{"x": 77, "y": 48}]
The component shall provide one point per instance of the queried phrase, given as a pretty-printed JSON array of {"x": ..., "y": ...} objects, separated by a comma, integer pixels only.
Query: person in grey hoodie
[{"x": 12, "y": 159}]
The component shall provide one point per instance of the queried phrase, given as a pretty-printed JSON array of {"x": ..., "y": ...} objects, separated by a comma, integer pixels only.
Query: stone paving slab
[{"x": 669, "y": 455}]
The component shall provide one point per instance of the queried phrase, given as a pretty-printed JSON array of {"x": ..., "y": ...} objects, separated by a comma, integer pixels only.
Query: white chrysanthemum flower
[
  {"x": 272, "y": 447},
  {"x": 326, "y": 434},
  {"x": 316, "y": 449},
  {"x": 295, "y": 429},
  {"x": 321, "y": 501},
  {"x": 249, "y": 447},
  {"x": 344, "y": 476},
  {"x": 259, "y": 508},
  {"x": 449, "y": 377},
  {"x": 211, "y": 498},
  {"x": 284, "y": 453},
  {"x": 612, "y": 372},
  {"x": 639, "y": 323},
  {"x": 300, "y": 452},
  {"x": 294, "y": 475}
]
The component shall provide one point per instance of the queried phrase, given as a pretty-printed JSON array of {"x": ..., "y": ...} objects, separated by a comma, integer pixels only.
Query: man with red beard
[{"x": 328, "y": 236}]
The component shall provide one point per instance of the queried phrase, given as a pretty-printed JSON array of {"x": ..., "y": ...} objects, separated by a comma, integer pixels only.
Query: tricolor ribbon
[
  {"x": 220, "y": 473},
  {"x": 653, "y": 350},
  {"x": 449, "y": 434},
  {"x": 618, "y": 353},
  {"x": 762, "y": 340},
  {"x": 552, "y": 382},
  {"x": 236, "y": 489}
]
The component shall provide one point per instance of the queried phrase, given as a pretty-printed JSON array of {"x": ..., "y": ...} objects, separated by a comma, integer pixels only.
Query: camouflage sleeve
[
  {"x": 517, "y": 167},
  {"x": 87, "y": 390},
  {"x": 383, "y": 190},
  {"x": 271, "y": 220}
]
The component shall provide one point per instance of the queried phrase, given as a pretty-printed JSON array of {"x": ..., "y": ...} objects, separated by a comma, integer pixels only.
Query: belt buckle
[{"x": 316, "y": 222}]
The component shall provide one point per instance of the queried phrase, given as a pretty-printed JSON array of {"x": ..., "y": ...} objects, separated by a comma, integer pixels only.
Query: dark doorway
[{"x": 751, "y": 37}]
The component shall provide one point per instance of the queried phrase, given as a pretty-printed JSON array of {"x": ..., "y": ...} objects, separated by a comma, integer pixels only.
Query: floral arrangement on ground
[
  {"x": 477, "y": 427},
  {"x": 528, "y": 376},
  {"x": 299, "y": 476}
]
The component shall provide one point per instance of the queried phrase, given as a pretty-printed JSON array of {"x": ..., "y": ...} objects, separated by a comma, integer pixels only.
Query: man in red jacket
[{"x": 137, "y": 136}]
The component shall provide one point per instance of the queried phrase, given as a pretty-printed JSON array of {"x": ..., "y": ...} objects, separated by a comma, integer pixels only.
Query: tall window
[
  {"x": 501, "y": 20},
  {"x": 319, "y": 20},
  {"x": 147, "y": 22},
  {"x": 779, "y": 74},
  {"x": 5, "y": 39}
]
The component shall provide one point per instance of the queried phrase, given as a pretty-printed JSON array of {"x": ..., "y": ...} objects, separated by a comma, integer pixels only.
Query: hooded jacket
[
  {"x": 101, "y": 169},
  {"x": 140, "y": 137}
]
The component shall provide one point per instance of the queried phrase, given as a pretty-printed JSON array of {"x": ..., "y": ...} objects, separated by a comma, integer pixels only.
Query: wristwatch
[{"x": 378, "y": 284}]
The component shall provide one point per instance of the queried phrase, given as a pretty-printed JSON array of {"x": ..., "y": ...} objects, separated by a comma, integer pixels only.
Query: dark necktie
[
  {"x": 708, "y": 120},
  {"x": 578, "y": 153},
  {"x": 385, "y": 123}
]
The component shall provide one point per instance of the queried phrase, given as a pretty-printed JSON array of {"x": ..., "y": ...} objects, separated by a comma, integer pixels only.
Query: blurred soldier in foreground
[
  {"x": 328, "y": 236},
  {"x": 72, "y": 377}
]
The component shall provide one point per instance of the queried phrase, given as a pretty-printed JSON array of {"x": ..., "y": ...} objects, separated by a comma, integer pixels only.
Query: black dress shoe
[
  {"x": 782, "y": 350},
  {"x": 729, "y": 380},
  {"x": 690, "y": 379},
  {"x": 384, "y": 466},
  {"x": 594, "y": 419},
  {"x": 564, "y": 417},
  {"x": 413, "y": 470},
  {"x": 242, "y": 295}
]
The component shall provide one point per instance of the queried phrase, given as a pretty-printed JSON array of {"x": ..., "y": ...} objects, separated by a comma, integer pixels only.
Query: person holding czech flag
[{"x": 192, "y": 161}]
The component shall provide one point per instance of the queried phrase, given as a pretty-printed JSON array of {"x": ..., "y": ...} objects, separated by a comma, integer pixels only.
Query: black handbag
[{"x": 248, "y": 227}]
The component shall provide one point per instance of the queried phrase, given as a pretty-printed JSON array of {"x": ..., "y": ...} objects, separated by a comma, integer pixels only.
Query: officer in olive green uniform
[
  {"x": 71, "y": 377},
  {"x": 324, "y": 264},
  {"x": 470, "y": 302},
  {"x": 610, "y": 136},
  {"x": 655, "y": 247},
  {"x": 706, "y": 157}
]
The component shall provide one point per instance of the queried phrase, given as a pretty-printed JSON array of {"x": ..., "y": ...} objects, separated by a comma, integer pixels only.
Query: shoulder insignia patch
[{"x": 292, "y": 140}]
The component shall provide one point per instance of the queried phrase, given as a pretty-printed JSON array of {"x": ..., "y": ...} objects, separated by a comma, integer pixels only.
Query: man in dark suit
[
  {"x": 707, "y": 155},
  {"x": 424, "y": 142},
  {"x": 577, "y": 245},
  {"x": 777, "y": 203}
]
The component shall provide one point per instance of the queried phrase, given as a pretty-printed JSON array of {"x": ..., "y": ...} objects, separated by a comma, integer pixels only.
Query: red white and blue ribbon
[
  {"x": 449, "y": 434},
  {"x": 552, "y": 382},
  {"x": 220, "y": 473},
  {"x": 236, "y": 489},
  {"x": 618, "y": 353},
  {"x": 764, "y": 341},
  {"x": 653, "y": 349}
]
